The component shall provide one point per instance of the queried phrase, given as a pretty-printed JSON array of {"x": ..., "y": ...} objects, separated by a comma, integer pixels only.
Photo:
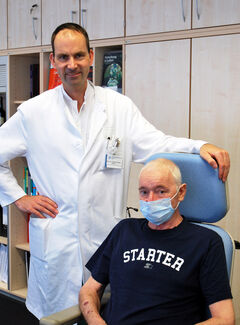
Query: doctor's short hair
[
  {"x": 162, "y": 162},
  {"x": 71, "y": 26}
]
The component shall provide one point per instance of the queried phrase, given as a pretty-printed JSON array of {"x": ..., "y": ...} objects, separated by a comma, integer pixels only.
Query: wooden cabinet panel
[
  {"x": 215, "y": 12},
  {"x": 55, "y": 13},
  {"x": 153, "y": 16},
  {"x": 3, "y": 24},
  {"x": 24, "y": 23},
  {"x": 103, "y": 19},
  {"x": 157, "y": 80},
  {"x": 215, "y": 114},
  {"x": 216, "y": 118}
]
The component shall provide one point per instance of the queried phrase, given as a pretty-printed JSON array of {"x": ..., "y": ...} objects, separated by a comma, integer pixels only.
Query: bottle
[{"x": 2, "y": 112}]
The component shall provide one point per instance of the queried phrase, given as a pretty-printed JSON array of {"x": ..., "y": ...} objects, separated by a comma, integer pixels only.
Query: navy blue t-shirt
[{"x": 160, "y": 276}]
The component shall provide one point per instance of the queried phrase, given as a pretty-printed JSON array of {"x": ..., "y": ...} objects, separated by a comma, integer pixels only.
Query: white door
[
  {"x": 216, "y": 117},
  {"x": 154, "y": 16},
  {"x": 157, "y": 80},
  {"x": 208, "y": 13},
  {"x": 3, "y": 24},
  {"x": 102, "y": 19},
  {"x": 24, "y": 23},
  {"x": 215, "y": 114},
  {"x": 55, "y": 13}
]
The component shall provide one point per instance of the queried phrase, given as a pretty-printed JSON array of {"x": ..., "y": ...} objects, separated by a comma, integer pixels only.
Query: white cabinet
[
  {"x": 153, "y": 16},
  {"x": 103, "y": 19},
  {"x": 55, "y": 13},
  {"x": 24, "y": 23},
  {"x": 215, "y": 12},
  {"x": 215, "y": 118},
  {"x": 157, "y": 80},
  {"x": 3, "y": 24},
  {"x": 215, "y": 106}
]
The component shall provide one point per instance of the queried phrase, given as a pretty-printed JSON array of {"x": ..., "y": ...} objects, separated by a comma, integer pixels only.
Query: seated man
[{"x": 161, "y": 269}]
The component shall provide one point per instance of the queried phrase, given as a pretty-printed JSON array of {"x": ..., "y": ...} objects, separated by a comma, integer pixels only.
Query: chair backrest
[{"x": 206, "y": 200}]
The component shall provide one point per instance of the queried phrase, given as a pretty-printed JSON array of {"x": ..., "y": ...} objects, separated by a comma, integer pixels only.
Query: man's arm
[
  {"x": 216, "y": 157},
  {"x": 14, "y": 144},
  {"x": 147, "y": 140},
  {"x": 89, "y": 301},
  {"x": 222, "y": 313}
]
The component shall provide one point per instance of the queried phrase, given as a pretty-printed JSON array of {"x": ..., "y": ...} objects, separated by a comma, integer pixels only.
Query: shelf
[
  {"x": 18, "y": 102},
  {"x": 3, "y": 286},
  {"x": 3, "y": 240},
  {"x": 23, "y": 246},
  {"x": 22, "y": 293}
]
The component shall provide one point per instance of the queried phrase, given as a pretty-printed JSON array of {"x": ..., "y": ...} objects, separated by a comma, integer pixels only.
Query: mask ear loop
[{"x": 174, "y": 197}]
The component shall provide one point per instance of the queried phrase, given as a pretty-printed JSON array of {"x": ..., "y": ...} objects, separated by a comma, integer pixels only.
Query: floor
[{"x": 14, "y": 312}]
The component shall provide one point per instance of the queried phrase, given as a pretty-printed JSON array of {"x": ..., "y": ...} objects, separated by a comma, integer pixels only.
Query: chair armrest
[{"x": 67, "y": 316}]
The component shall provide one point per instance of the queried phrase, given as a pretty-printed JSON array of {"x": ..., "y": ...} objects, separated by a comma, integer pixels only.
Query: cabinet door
[
  {"x": 55, "y": 13},
  {"x": 157, "y": 80},
  {"x": 103, "y": 19},
  {"x": 215, "y": 12},
  {"x": 3, "y": 24},
  {"x": 215, "y": 115},
  {"x": 24, "y": 23},
  {"x": 153, "y": 16}
]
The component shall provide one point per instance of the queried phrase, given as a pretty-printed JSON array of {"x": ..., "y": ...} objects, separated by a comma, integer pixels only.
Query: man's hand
[
  {"x": 37, "y": 205},
  {"x": 216, "y": 157}
]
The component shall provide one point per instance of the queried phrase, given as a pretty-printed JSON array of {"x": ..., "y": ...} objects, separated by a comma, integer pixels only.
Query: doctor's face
[{"x": 72, "y": 59}]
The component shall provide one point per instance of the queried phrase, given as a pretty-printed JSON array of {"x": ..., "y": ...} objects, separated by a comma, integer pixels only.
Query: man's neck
[
  {"x": 77, "y": 94},
  {"x": 172, "y": 223}
]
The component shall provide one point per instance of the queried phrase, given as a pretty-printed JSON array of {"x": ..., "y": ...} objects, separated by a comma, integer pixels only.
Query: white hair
[{"x": 162, "y": 162}]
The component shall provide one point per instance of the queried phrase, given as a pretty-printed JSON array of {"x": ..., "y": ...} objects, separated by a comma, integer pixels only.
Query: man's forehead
[
  {"x": 68, "y": 33},
  {"x": 158, "y": 175},
  {"x": 65, "y": 36},
  {"x": 73, "y": 43}
]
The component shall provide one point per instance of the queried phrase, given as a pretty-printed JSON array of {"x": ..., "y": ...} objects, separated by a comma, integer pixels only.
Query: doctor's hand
[
  {"x": 37, "y": 205},
  {"x": 216, "y": 157}
]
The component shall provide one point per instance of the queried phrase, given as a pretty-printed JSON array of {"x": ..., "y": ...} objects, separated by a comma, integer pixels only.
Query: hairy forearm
[{"x": 90, "y": 306}]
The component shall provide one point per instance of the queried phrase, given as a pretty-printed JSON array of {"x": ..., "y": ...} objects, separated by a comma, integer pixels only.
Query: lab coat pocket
[{"x": 39, "y": 236}]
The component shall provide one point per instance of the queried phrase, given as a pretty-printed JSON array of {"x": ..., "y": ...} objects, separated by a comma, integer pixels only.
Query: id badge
[{"x": 113, "y": 157}]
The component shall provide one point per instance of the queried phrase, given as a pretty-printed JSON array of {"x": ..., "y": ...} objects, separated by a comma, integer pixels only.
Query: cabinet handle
[
  {"x": 183, "y": 13},
  {"x": 73, "y": 12},
  {"x": 82, "y": 15},
  {"x": 197, "y": 10},
  {"x": 34, "y": 19},
  {"x": 33, "y": 7}
]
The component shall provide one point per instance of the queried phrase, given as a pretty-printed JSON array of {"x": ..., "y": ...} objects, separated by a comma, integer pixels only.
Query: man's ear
[
  {"x": 182, "y": 192},
  {"x": 91, "y": 55},
  {"x": 52, "y": 60}
]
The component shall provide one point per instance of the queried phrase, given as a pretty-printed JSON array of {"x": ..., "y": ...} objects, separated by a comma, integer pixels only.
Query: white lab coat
[{"x": 91, "y": 198}]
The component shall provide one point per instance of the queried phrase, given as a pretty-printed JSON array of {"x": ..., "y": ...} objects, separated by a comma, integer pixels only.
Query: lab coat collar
[{"x": 73, "y": 103}]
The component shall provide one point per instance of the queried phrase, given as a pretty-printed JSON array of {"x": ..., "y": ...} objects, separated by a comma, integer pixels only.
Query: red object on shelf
[{"x": 54, "y": 79}]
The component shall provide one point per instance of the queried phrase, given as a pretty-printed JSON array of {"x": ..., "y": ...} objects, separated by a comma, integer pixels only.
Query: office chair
[{"x": 205, "y": 203}]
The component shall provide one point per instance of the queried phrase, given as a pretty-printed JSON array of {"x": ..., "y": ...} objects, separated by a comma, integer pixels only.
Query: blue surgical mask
[{"x": 159, "y": 211}]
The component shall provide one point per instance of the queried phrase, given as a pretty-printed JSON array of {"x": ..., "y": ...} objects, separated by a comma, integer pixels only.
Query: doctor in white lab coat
[{"x": 79, "y": 141}]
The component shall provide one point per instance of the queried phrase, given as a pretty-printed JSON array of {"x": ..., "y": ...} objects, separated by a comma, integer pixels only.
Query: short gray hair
[{"x": 162, "y": 162}]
